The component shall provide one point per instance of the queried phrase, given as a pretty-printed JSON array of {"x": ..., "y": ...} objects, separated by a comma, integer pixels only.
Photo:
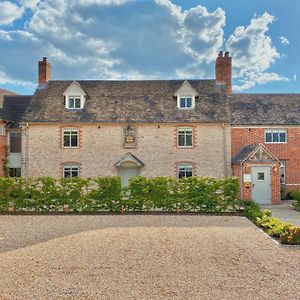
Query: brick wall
[
  {"x": 3, "y": 145},
  {"x": 102, "y": 147},
  {"x": 289, "y": 152}
]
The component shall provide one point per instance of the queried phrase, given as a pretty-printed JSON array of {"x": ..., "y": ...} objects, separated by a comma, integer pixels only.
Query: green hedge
[
  {"x": 286, "y": 232},
  {"x": 198, "y": 194}
]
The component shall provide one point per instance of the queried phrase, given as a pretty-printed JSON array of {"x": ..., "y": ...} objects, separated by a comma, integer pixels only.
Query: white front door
[
  {"x": 127, "y": 173},
  {"x": 261, "y": 184}
]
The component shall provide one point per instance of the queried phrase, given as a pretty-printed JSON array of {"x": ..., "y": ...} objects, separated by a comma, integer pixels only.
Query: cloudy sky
[{"x": 151, "y": 39}]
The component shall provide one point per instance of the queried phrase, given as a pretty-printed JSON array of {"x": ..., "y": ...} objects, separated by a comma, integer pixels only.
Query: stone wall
[{"x": 101, "y": 147}]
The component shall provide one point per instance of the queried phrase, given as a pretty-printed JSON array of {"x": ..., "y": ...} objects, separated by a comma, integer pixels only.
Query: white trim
[
  {"x": 186, "y": 96},
  {"x": 62, "y": 137},
  {"x": 274, "y": 130}
]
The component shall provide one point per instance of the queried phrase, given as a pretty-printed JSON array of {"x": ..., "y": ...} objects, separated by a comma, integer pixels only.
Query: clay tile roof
[
  {"x": 265, "y": 109},
  {"x": 129, "y": 101}
]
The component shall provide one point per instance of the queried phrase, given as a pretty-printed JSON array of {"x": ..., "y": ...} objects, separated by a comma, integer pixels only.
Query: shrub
[
  {"x": 296, "y": 196},
  {"x": 273, "y": 227},
  {"x": 291, "y": 236}
]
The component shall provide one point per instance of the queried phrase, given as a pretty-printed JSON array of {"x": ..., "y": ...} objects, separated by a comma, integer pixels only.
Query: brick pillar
[
  {"x": 44, "y": 71},
  {"x": 224, "y": 71}
]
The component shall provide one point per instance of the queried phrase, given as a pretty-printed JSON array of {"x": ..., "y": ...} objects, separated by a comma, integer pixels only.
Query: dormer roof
[
  {"x": 186, "y": 89},
  {"x": 74, "y": 89}
]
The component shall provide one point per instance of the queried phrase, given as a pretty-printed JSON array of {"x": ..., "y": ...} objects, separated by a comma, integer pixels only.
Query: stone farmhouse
[{"x": 179, "y": 128}]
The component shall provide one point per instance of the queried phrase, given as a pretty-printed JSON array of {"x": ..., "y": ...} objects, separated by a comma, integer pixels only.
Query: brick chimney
[
  {"x": 44, "y": 71},
  {"x": 224, "y": 71}
]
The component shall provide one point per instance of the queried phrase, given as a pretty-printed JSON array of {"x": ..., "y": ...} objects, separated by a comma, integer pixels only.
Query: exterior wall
[
  {"x": 289, "y": 152},
  {"x": 3, "y": 150},
  {"x": 246, "y": 190},
  {"x": 101, "y": 147}
]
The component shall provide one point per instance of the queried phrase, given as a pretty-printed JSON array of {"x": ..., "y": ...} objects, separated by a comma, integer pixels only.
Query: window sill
[
  {"x": 185, "y": 147},
  {"x": 275, "y": 142},
  {"x": 70, "y": 147}
]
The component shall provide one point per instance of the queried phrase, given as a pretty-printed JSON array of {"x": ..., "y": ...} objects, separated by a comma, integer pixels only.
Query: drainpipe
[
  {"x": 241, "y": 181},
  {"x": 26, "y": 155}
]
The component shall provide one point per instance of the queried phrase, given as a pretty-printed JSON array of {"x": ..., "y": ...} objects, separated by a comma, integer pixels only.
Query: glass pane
[
  {"x": 181, "y": 140},
  {"x": 74, "y": 140},
  {"x": 77, "y": 103},
  {"x": 66, "y": 140},
  {"x": 67, "y": 173},
  {"x": 74, "y": 172},
  {"x": 282, "y": 137},
  {"x": 189, "y": 140},
  {"x": 261, "y": 176},
  {"x": 15, "y": 172},
  {"x": 275, "y": 137},
  {"x": 182, "y": 102},
  {"x": 71, "y": 102},
  {"x": 268, "y": 137},
  {"x": 189, "y": 102},
  {"x": 15, "y": 142}
]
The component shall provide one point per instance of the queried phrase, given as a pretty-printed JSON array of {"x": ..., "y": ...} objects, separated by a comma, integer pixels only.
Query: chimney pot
[
  {"x": 221, "y": 54},
  {"x": 226, "y": 54}
]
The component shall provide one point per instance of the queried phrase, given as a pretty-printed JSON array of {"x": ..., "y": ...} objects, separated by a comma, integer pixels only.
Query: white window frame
[
  {"x": 275, "y": 130},
  {"x": 282, "y": 172},
  {"x": 72, "y": 167},
  {"x": 187, "y": 166},
  {"x": 185, "y": 130},
  {"x": 68, "y": 97},
  {"x": 70, "y": 130},
  {"x": 179, "y": 97}
]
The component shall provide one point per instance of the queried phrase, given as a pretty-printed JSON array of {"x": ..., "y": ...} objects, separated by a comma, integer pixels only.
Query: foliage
[
  {"x": 296, "y": 196},
  {"x": 272, "y": 226},
  {"x": 199, "y": 194},
  {"x": 291, "y": 236}
]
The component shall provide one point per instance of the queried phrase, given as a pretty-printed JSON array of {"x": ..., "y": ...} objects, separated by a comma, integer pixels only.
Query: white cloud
[
  {"x": 29, "y": 3},
  {"x": 253, "y": 53},
  {"x": 130, "y": 39},
  {"x": 284, "y": 41},
  {"x": 9, "y": 12},
  {"x": 295, "y": 77},
  {"x": 251, "y": 79}
]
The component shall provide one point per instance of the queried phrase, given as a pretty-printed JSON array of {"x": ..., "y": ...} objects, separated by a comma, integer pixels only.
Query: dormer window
[
  {"x": 74, "y": 102},
  {"x": 186, "y": 102},
  {"x": 74, "y": 96},
  {"x": 186, "y": 96}
]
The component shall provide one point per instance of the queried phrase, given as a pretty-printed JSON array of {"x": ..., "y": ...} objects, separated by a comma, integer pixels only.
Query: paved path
[
  {"x": 143, "y": 257},
  {"x": 284, "y": 212}
]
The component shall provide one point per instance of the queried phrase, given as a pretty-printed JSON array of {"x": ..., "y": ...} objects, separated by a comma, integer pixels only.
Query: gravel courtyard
[{"x": 143, "y": 257}]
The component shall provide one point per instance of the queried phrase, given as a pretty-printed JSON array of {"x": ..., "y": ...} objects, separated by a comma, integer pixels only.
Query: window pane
[
  {"x": 261, "y": 176},
  {"x": 15, "y": 142},
  {"x": 15, "y": 172},
  {"x": 74, "y": 140},
  {"x": 66, "y": 140},
  {"x": 275, "y": 137},
  {"x": 181, "y": 140},
  {"x": 182, "y": 102},
  {"x": 189, "y": 140},
  {"x": 282, "y": 137},
  {"x": 189, "y": 102},
  {"x": 77, "y": 103},
  {"x": 71, "y": 102},
  {"x": 75, "y": 172},
  {"x": 185, "y": 171},
  {"x": 268, "y": 137}
]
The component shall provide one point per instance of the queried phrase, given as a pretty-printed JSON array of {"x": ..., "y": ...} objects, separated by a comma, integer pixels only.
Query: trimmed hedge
[
  {"x": 196, "y": 194},
  {"x": 286, "y": 232}
]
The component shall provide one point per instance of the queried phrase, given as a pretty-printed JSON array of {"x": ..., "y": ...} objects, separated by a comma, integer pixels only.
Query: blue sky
[{"x": 151, "y": 39}]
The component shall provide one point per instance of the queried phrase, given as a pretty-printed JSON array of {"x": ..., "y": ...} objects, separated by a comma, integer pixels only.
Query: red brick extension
[{"x": 289, "y": 152}]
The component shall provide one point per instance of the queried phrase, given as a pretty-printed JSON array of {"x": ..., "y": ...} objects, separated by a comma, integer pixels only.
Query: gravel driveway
[{"x": 143, "y": 257}]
